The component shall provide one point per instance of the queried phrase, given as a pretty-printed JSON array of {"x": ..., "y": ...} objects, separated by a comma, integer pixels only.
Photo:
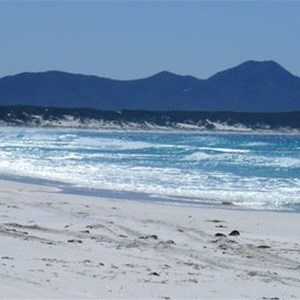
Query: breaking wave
[{"x": 251, "y": 171}]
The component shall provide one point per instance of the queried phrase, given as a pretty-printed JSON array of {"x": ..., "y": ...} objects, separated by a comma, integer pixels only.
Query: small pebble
[
  {"x": 75, "y": 241},
  {"x": 220, "y": 234},
  {"x": 263, "y": 247},
  {"x": 234, "y": 233}
]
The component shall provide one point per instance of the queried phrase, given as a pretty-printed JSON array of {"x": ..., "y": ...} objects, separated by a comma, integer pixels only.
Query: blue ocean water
[{"x": 252, "y": 171}]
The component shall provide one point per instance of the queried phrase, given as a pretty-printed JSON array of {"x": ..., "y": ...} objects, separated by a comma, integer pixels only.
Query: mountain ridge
[{"x": 252, "y": 86}]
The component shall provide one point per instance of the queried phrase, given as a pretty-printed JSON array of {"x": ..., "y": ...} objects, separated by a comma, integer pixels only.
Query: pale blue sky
[{"x": 135, "y": 39}]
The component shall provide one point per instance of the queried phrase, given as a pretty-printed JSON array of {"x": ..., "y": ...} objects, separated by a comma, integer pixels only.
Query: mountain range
[{"x": 249, "y": 87}]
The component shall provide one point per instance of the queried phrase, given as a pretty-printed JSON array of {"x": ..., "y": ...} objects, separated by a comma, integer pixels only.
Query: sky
[{"x": 136, "y": 39}]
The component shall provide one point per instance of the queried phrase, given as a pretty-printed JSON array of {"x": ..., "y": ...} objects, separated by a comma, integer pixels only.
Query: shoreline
[
  {"x": 60, "y": 245},
  {"x": 68, "y": 188}
]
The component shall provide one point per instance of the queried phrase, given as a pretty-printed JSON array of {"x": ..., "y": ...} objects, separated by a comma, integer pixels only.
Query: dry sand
[{"x": 57, "y": 245}]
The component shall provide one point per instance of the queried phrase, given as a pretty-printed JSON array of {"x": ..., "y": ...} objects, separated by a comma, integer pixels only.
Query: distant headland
[{"x": 249, "y": 87}]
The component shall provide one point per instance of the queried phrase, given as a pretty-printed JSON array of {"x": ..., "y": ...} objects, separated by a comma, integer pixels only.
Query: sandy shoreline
[{"x": 56, "y": 245}]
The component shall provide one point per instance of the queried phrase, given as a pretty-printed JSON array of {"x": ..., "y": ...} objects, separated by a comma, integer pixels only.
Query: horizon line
[{"x": 149, "y": 76}]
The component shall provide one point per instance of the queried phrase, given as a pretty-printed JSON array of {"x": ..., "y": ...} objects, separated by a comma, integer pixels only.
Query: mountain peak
[
  {"x": 252, "y": 69},
  {"x": 266, "y": 65},
  {"x": 169, "y": 76},
  {"x": 165, "y": 74},
  {"x": 260, "y": 62}
]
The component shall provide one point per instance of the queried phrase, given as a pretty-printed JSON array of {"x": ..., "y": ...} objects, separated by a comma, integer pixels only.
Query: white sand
[{"x": 55, "y": 245}]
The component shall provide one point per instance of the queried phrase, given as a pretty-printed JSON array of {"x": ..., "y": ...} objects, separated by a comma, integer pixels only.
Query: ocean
[{"x": 241, "y": 170}]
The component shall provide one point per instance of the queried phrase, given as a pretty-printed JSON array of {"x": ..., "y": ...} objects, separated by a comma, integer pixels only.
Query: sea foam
[{"x": 251, "y": 171}]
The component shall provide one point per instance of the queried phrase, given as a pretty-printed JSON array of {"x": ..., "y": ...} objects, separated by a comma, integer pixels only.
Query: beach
[{"x": 56, "y": 244}]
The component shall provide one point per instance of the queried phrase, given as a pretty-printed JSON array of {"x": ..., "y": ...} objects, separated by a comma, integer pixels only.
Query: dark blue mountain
[
  {"x": 257, "y": 86},
  {"x": 250, "y": 87}
]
